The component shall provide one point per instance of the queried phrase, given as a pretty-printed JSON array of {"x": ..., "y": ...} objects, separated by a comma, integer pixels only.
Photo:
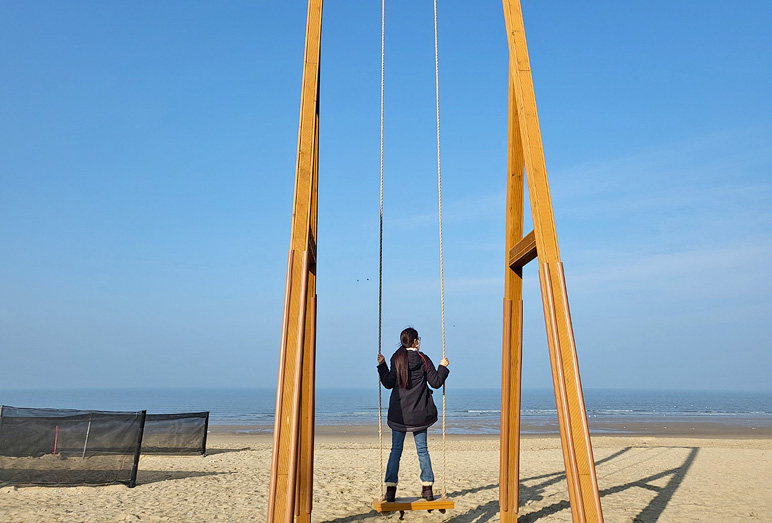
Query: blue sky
[{"x": 147, "y": 156}]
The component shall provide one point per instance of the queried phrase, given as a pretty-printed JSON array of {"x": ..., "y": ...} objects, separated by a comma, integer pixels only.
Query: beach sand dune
[{"x": 641, "y": 479}]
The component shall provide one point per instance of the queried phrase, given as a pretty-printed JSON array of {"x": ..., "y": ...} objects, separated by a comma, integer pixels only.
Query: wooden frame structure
[
  {"x": 525, "y": 151},
  {"x": 291, "y": 483},
  {"x": 292, "y": 464}
]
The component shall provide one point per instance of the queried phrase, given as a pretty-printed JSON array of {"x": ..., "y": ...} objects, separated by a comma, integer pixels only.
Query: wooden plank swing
[
  {"x": 404, "y": 504},
  {"x": 291, "y": 483}
]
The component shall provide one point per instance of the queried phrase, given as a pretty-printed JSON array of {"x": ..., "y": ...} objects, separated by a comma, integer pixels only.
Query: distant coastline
[{"x": 469, "y": 411}]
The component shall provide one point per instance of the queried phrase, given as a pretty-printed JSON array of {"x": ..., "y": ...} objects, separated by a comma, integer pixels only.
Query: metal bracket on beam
[{"x": 523, "y": 252}]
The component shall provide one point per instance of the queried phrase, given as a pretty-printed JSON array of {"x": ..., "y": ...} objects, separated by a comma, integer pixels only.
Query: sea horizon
[{"x": 468, "y": 410}]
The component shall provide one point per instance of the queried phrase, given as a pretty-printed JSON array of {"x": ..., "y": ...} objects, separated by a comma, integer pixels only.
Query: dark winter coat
[{"x": 412, "y": 409}]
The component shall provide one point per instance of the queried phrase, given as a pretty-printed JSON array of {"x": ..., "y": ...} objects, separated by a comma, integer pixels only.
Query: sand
[{"x": 717, "y": 476}]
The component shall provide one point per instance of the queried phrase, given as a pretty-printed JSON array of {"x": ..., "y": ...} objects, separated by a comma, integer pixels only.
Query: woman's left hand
[{"x": 444, "y": 362}]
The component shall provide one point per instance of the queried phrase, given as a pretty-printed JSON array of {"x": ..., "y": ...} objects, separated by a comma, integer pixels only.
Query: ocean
[{"x": 467, "y": 410}]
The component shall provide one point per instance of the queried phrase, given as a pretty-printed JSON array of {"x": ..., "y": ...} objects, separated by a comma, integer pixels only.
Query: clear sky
[{"x": 147, "y": 156}]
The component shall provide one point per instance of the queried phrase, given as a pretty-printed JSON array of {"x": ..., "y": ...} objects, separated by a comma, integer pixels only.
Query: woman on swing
[{"x": 411, "y": 408}]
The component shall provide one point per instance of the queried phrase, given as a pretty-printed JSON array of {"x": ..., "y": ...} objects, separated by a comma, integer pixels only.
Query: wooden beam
[
  {"x": 277, "y": 426},
  {"x": 506, "y": 422},
  {"x": 523, "y": 252},
  {"x": 304, "y": 503},
  {"x": 292, "y": 460},
  {"x": 561, "y": 395},
  {"x": 297, "y": 395},
  {"x": 513, "y": 326}
]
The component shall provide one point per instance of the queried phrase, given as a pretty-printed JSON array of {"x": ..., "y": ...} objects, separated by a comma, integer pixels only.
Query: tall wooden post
[
  {"x": 513, "y": 326},
  {"x": 525, "y": 150},
  {"x": 291, "y": 484}
]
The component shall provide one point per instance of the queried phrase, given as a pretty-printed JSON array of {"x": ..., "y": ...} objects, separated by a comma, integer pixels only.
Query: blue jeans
[{"x": 397, "y": 443}]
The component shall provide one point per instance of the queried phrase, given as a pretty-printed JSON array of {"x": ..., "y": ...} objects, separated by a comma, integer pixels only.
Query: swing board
[{"x": 412, "y": 504}]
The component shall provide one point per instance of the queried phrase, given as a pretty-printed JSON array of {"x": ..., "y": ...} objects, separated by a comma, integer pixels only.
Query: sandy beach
[{"x": 709, "y": 475}]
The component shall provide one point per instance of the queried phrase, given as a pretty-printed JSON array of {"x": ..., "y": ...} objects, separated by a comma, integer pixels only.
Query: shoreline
[{"x": 665, "y": 428}]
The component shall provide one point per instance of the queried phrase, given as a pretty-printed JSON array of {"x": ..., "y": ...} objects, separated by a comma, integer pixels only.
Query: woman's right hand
[{"x": 381, "y": 359}]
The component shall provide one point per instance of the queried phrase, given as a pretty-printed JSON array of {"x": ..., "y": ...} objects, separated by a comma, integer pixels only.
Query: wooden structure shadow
[
  {"x": 651, "y": 512},
  {"x": 291, "y": 484},
  {"x": 490, "y": 511}
]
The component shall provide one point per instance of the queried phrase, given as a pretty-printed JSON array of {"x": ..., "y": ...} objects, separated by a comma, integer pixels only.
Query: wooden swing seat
[{"x": 402, "y": 504}]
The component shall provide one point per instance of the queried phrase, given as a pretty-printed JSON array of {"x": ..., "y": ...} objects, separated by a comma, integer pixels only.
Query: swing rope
[
  {"x": 439, "y": 204},
  {"x": 380, "y": 266},
  {"x": 380, "y": 263}
]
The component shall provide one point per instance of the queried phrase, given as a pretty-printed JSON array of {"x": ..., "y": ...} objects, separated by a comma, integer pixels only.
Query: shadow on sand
[
  {"x": 82, "y": 478},
  {"x": 489, "y": 511},
  {"x": 153, "y": 476},
  {"x": 212, "y": 452}
]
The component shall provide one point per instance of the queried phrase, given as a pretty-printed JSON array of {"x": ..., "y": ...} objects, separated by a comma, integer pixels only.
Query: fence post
[
  {"x": 206, "y": 430},
  {"x": 88, "y": 430},
  {"x": 133, "y": 480}
]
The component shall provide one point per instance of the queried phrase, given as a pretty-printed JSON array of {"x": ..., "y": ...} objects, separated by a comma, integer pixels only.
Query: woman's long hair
[{"x": 406, "y": 339}]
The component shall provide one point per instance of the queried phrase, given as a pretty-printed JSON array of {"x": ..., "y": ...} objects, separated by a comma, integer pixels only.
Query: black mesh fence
[
  {"x": 69, "y": 447},
  {"x": 175, "y": 433}
]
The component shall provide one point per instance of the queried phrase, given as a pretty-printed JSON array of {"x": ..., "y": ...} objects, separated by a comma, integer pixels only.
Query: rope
[
  {"x": 380, "y": 263},
  {"x": 439, "y": 203},
  {"x": 380, "y": 266}
]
